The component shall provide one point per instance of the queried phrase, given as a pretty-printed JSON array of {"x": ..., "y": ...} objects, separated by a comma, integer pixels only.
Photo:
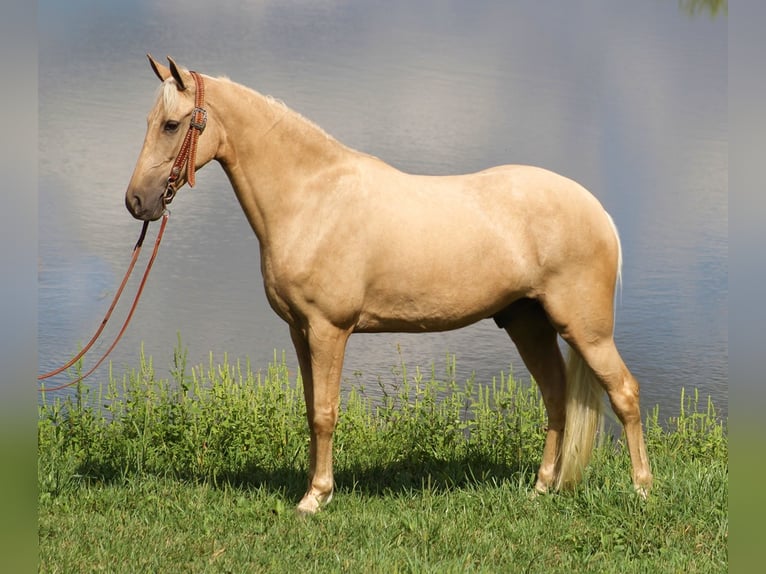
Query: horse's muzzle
[{"x": 139, "y": 208}]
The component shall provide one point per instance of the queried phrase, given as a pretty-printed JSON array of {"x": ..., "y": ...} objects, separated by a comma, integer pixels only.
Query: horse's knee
[
  {"x": 626, "y": 406},
  {"x": 624, "y": 397},
  {"x": 323, "y": 419}
]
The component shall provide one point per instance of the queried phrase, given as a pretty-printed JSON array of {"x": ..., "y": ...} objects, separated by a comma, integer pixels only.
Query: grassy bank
[{"x": 201, "y": 474}]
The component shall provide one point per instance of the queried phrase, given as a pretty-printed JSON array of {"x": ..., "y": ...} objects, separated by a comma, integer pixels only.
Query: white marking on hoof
[
  {"x": 642, "y": 491},
  {"x": 313, "y": 503},
  {"x": 308, "y": 505},
  {"x": 540, "y": 488}
]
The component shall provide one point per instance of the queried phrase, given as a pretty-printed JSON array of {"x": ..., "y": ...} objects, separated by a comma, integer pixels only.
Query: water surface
[{"x": 628, "y": 98}]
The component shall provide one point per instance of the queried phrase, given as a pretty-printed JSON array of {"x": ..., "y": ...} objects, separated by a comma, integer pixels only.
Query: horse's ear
[
  {"x": 163, "y": 72},
  {"x": 176, "y": 73}
]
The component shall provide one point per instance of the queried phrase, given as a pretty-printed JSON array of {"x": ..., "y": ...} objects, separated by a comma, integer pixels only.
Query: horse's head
[{"x": 167, "y": 125}]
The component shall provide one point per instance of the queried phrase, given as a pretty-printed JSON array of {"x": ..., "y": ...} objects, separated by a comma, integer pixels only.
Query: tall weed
[{"x": 225, "y": 422}]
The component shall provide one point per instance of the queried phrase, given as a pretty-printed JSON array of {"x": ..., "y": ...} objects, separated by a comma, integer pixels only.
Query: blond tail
[{"x": 583, "y": 417}]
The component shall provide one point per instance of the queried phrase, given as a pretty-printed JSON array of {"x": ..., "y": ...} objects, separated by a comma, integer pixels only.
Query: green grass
[{"x": 201, "y": 473}]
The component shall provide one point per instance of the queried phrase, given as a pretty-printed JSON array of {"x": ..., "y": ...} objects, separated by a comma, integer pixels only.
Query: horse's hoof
[
  {"x": 643, "y": 484},
  {"x": 540, "y": 489},
  {"x": 308, "y": 506},
  {"x": 312, "y": 503},
  {"x": 642, "y": 491}
]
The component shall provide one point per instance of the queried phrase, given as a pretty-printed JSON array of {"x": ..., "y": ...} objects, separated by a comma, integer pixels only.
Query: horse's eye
[{"x": 170, "y": 126}]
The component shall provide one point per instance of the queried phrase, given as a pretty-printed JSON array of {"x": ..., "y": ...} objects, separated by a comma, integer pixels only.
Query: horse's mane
[{"x": 283, "y": 108}]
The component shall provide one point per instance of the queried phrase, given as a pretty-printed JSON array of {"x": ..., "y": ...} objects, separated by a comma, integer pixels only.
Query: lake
[{"x": 627, "y": 98}]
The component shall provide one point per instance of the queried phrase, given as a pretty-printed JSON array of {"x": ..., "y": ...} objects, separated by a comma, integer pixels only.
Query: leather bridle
[{"x": 188, "y": 152}]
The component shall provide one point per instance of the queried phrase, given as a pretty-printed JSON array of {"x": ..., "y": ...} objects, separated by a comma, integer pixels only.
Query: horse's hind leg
[
  {"x": 534, "y": 336},
  {"x": 621, "y": 386},
  {"x": 589, "y": 331}
]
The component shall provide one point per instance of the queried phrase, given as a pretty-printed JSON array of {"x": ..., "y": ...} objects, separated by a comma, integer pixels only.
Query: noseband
[{"x": 188, "y": 152}]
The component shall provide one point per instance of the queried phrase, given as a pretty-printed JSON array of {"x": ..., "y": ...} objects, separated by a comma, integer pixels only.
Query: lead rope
[
  {"x": 186, "y": 156},
  {"x": 136, "y": 251}
]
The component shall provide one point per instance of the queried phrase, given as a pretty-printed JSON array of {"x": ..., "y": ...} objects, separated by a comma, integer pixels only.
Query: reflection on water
[{"x": 628, "y": 98}]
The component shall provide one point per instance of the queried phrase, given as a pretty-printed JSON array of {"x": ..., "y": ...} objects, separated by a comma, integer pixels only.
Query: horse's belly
[
  {"x": 416, "y": 319},
  {"x": 435, "y": 305},
  {"x": 443, "y": 276},
  {"x": 413, "y": 324}
]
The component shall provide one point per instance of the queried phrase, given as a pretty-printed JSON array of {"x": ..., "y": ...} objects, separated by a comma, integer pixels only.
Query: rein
[
  {"x": 72, "y": 361},
  {"x": 186, "y": 157}
]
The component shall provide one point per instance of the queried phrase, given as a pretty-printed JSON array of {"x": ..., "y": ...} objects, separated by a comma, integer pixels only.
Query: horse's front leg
[{"x": 320, "y": 350}]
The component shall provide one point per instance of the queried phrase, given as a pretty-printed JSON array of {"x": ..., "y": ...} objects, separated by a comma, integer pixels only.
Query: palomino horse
[{"x": 350, "y": 244}]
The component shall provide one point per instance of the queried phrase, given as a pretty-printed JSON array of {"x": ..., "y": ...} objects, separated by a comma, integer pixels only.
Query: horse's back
[
  {"x": 443, "y": 251},
  {"x": 515, "y": 212}
]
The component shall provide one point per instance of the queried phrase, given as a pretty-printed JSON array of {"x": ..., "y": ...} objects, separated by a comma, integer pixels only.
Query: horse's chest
[
  {"x": 289, "y": 286},
  {"x": 300, "y": 289},
  {"x": 277, "y": 282}
]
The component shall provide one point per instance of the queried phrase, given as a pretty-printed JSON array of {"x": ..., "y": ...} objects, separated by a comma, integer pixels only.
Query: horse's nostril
[{"x": 133, "y": 203}]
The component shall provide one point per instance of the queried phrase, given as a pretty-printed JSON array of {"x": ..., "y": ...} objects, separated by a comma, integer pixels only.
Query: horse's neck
[{"x": 269, "y": 153}]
